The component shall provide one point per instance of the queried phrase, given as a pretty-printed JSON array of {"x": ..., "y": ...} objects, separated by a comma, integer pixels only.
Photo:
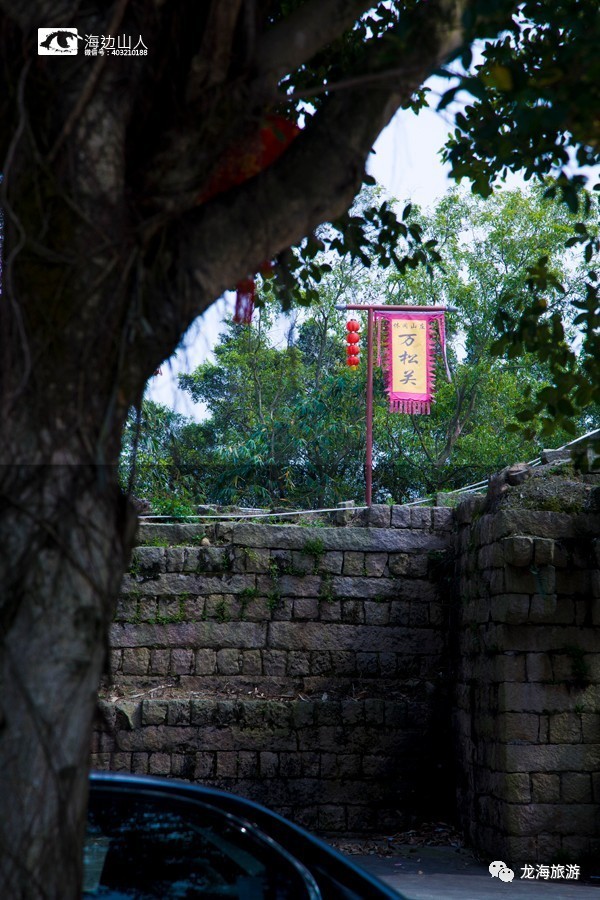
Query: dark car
[{"x": 157, "y": 839}]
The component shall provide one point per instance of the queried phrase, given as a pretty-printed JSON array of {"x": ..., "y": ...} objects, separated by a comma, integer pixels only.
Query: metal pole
[
  {"x": 369, "y": 447},
  {"x": 371, "y": 308},
  {"x": 385, "y": 307}
]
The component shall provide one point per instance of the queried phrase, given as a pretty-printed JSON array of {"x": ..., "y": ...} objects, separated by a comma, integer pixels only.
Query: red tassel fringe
[{"x": 244, "y": 301}]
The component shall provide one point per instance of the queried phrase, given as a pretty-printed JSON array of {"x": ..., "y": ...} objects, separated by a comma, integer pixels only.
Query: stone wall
[
  {"x": 301, "y": 666},
  {"x": 345, "y": 676},
  {"x": 527, "y": 714}
]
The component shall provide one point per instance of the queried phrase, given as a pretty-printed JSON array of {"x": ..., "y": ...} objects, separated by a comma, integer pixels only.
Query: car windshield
[{"x": 151, "y": 849}]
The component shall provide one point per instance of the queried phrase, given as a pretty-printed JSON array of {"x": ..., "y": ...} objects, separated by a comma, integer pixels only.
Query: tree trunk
[{"x": 65, "y": 536}]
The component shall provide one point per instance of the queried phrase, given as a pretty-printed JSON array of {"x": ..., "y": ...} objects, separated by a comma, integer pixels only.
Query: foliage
[
  {"x": 534, "y": 108},
  {"x": 286, "y": 419}
]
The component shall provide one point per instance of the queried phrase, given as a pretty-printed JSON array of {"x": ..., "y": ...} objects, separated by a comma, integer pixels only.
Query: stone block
[
  {"x": 229, "y": 662},
  {"x": 205, "y": 765},
  {"x": 590, "y": 723},
  {"x": 174, "y": 559},
  {"x": 490, "y": 556},
  {"x": 182, "y": 662},
  {"x": 298, "y": 664},
  {"x": 354, "y": 563},
  {"x": 576, "y": 787},
  {"x": 387, "y": 665},
  {"x": 332, "y": 818},
  {"x": 539, "y": 667},
  {"x": 290, "y": 765},
  {"x": 533, "y": 522},
  {"x": 498, "y": 582},
  {"x": 379, "y": 516},
  {"x": 543, "y": 552},
  {"x": 443, "y": 518},
  {"x": 303, "y": 714},
  {"x": 191, "y": 559},
  {"x": 160, "y": 662},
  {"x": 330, "y": 611},
  {"x": 178, "y": 712},
  {"x": 399, "y": 563},
  {"x": 552, "y": 610},
  {"x": 306, "y": 608},
  {"x": 512, "y": 608},
  {"x": 399, "y": 612},
  {"x": 376, "y": 613},
  {"x": 379, "y": 540},
  {"x": 377, "y": 767},
  {"x": 226, "y": 764},
  {"x": 420, "y": 517},
  {"x": 550, "y": 758},
  {"x": 375, "y": 564},
  {"x": 401, "y": 517},
  {"x": 268, "y": 764},
  {"x": 353, "y": 612},
  {"x": 572, "y": 582},
  {"x": 343, "y": 662},
  {"x": 159, "y": 764},
  {"x": 367, "y": 664},
  {"x": 565, "y": 728},
  {"x": 257, "y": 560},
  {"x": 518, "y": 727},
  {"x": 574, "y": 819},
  {"x": 190, "y": 634},
  {"x": 136, "y": 661},
  {"x": 545, "y": 787},
  {"x": 331, "y": 563},
  {"x": 120, "y": 762},
  {"x": 517, "y": 550},
  {"x": 513, "y": 787},
  {"x": 148, "y": 561},
  {"x": 205, "y": 662},
  {"x": 248, "y": 764},
  {"x": 274, "y": 662},
  {"x": 154, "y": 712},
  {"x": 518, "y": 697},
  {"x": 560, "y": 556},
  {"x": 303, "y": 563},
  {"x": 320, "y": 663},
  {"x": 469, "y": 508},
  {"x": 139, "y": 763},
  {"x": 374, "y": 711},
  {"x": 251, "y": 662}
]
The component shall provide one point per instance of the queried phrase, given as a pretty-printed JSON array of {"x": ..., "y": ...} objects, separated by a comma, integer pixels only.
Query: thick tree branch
[
  {"x": 42, "y": 13},
  {"x": 215, "y": 245},
  {"x": 296, "y": 39},
  {"x": 211, "y": 65}
]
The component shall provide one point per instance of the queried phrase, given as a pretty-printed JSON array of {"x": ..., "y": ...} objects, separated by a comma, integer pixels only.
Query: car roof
[{"x": 311, "y": 850}]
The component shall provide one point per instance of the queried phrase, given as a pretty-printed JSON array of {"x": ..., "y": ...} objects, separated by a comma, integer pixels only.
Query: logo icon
[
  {"x": 57, "y": 41},
  {"x": 499, "y": 869}
]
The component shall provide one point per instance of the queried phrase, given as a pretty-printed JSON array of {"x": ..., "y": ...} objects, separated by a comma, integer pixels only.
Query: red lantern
[
  {"x": 352, "y": 343},
  {"x": 244, "y": 158}
]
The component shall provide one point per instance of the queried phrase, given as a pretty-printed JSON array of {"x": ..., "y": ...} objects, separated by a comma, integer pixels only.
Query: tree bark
[
  {"x": 102, "y": 277},
  {"x": 65, "y": 535}
]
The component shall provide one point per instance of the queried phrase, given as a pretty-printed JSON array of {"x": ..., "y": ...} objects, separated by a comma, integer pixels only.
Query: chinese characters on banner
[{"x": 409, "y": 358}]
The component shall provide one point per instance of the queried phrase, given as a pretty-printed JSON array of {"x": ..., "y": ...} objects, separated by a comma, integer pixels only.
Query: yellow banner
[{"x": 409, "y": 356}]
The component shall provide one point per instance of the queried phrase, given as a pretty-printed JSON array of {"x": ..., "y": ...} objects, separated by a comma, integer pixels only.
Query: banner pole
[{"x": 369, "y": 447}]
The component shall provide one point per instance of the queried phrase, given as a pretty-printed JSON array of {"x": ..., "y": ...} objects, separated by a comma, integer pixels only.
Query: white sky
[{"x": 405, "y": 161}]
